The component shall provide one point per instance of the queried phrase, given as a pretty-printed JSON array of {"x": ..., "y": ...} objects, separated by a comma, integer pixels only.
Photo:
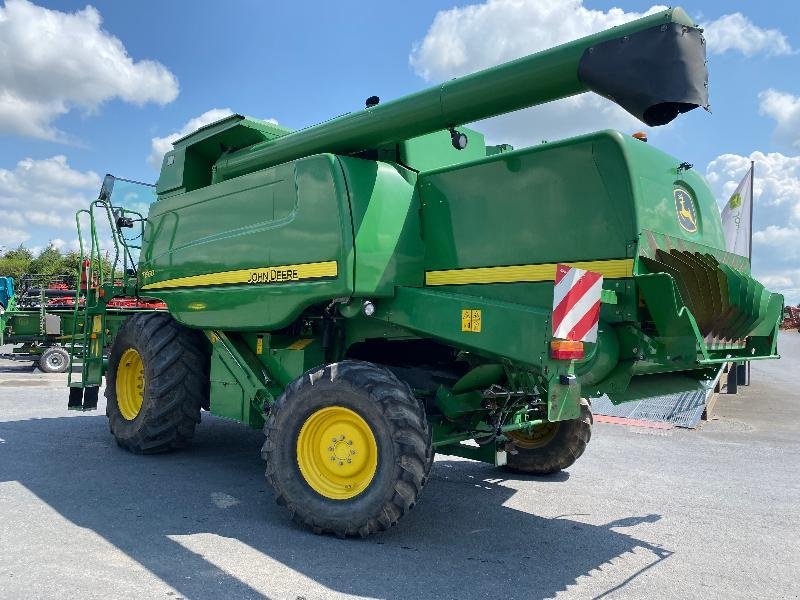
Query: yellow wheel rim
[
  {"x": 538, "y": 437},
  {"x": 337, "y": 453},
  {"x": 130, "y": 384}
]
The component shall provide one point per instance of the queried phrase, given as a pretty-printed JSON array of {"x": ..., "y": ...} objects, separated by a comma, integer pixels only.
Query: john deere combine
[{"x": 380, "y": 287}]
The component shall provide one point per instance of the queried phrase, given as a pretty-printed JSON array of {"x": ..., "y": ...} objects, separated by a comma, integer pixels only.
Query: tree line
[
  {"x": 49, "y": 261},
  {"x": 48, "y": 265}
]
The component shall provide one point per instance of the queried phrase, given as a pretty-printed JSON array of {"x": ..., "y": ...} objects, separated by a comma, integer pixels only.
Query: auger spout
[{"x": 653, "y": 67}]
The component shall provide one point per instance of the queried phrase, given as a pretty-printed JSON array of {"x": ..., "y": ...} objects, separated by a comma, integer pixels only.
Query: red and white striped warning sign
[{"x": 576, "y": 304}]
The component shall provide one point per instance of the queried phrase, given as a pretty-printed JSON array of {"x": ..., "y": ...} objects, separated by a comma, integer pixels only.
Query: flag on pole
[{"x": 737, "y": 218}]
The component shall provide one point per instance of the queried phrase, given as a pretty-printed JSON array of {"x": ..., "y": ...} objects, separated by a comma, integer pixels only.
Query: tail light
[{"x": 566, "y": 350}]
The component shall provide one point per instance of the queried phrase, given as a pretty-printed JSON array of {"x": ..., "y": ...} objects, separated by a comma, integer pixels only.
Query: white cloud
[
  {"x": 52, "y": 62},
  {"x": 67, "y": 245},
  {"x": 48, "y": 219},
  {"x": 161, "y": 145},
  {"x": 11, "y": 238},
  {"x": 777, "y": 180},
  {"x": 13, "y": 218},
  {"x": 784, "y": 239},
  {"x": 776, "y": 213},
  {"x": 735, "y": 32},
  {"x": 786, "y": 282},
  {"x": 785, "y": 109},
  {"x": 777, "y": 281},
  {"x": 476, "y": 36},
  {"x": 38, "y": 196}
]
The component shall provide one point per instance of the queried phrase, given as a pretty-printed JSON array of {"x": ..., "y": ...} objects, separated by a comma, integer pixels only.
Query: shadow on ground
[
  {"x": 22, "y": 366},
  {"x": 460, "y": 541}
]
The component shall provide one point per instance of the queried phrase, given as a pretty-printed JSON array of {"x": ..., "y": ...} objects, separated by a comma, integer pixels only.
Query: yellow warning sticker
[
  {"x": 259, "y": 345},
  {"x": 471, "y": 320},
  {"x": 476, "y": 321}
]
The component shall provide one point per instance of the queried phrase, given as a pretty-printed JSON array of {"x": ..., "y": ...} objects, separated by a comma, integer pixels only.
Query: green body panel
[
  {"x": 436, "y": 313},
  {"x": 296, "y": 213},
  {"x": 493, "y": 212},
  {"x": 655, "y": 176},
  {"x": 237, "y": 384},
  {"x": 248, "y": 371},
  {"x": 435, "y": 150},
  {"x": 386, "y": 221}
]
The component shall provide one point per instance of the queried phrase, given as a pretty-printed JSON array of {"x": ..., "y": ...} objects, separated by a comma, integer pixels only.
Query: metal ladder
[{"x": 100, "y": 280}]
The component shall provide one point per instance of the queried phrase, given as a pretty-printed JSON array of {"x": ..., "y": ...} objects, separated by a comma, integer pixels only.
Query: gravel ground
[{"x": 643, "y": 514}]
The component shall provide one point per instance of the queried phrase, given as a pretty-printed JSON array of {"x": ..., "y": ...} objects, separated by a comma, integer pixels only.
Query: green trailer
[
  {"x": 35, "y": 332},
  {"x": 42, "y": 335},
  {"x": 384, "y": 285}
]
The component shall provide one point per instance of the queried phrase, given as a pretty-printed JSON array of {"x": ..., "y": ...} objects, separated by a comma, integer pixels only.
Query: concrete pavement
[{"x": 643, "y": 514}]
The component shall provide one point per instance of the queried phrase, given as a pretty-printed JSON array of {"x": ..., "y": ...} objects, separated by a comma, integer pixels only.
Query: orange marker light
[
  {"x": 566, "y": 350},
  {"x": 640, "y": 135}
]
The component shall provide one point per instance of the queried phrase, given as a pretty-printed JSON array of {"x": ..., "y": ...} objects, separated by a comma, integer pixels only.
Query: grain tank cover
[{"x": 655, "y": 74}]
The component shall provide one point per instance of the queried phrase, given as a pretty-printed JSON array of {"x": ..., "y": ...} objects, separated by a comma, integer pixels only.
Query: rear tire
[
  {"x": 558, "y": 450},
  {"x": 383, "y": 430},
  {"x": 157, "y": 380},
  {"x": 54, "y": 359}
]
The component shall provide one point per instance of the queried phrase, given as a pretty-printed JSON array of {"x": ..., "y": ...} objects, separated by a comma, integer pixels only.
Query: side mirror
[{"x": 124, "y": 222}]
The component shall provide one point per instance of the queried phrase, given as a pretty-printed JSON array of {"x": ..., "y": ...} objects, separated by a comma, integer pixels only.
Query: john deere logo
[
  {"x": 685, "y": 209},
  {"x": 735, "y": 201}
]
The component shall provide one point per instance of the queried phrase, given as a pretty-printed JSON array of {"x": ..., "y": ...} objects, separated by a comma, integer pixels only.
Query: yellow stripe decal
[
  {"x": 257, "y": 276},
  {"x": 300, "y": 344},
  {"x": 610, "y": 269}
]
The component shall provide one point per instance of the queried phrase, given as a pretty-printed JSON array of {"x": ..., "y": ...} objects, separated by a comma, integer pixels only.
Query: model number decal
[{"x": 148, "y": 274}]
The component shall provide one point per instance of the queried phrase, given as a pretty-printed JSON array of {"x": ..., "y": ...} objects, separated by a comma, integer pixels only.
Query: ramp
[{"x": 682, "y": 410}]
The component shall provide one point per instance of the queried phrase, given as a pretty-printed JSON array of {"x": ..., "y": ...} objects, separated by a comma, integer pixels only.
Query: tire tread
[
  {"x": 179, "y": 383},
  {"x": 567, "y": 447},
  {"x": 410, "y": 433}
]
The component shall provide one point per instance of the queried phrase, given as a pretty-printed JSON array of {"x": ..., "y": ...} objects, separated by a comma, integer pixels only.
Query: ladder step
[
  {"x": 83, "y": 399},
  {"x": 75, "y": 398}
]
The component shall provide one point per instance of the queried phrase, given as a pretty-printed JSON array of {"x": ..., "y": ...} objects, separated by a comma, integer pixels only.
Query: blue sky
[{"x": 110, "y": 84}]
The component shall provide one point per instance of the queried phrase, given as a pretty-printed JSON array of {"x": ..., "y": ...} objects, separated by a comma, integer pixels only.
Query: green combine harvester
[{"x": 380, "y": 287}]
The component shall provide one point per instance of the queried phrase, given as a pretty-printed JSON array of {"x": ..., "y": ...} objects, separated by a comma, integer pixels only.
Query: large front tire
[
  {"x": 555, "y": 446},
  {"x": 347, "y": 449},
  {"x": 157, "y": 380}
]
